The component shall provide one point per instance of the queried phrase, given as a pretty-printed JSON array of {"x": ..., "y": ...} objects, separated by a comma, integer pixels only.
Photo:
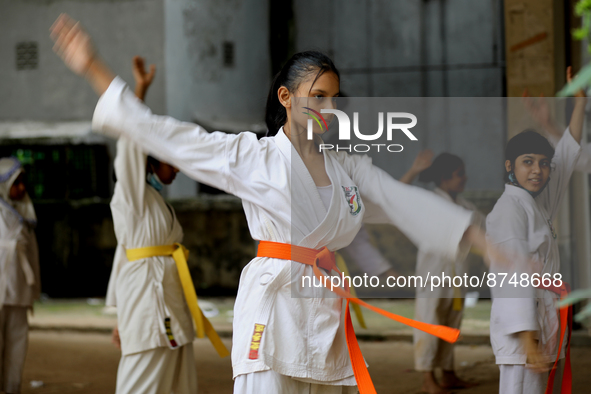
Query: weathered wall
[
  {"x": 199, "y": 86},
  {"x": 408, "y": 48},
  {"x": 120, "y": 29}
]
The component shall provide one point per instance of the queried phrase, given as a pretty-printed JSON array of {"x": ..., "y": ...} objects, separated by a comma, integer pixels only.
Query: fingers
[
  {"x": 152, "y": 72},
  {"x": 569, "y": 74}
]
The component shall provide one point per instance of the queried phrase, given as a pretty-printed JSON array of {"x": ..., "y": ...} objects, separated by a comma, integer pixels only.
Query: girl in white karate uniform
[
  {"x": 524, "y": 325},
  {"x": 147, "y": 292},
  {"x": 20, "y": 282},
  {"x": 288, "y": 337},
  {"x": 443, "y": 305}
]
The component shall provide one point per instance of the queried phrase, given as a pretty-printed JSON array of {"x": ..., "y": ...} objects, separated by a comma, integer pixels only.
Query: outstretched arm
[
  {"x": 74, "y": 46},
  {"x": 423, "y": 161}
]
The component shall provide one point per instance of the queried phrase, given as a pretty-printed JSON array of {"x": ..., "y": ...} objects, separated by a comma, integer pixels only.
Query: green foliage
[{"x": 574, "y": 297}]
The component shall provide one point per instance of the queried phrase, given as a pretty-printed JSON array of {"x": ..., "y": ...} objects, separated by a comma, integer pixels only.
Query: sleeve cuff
[{"x": 105, "y": 105}]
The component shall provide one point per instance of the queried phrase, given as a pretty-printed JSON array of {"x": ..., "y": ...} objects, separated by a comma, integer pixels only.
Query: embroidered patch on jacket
[
  {"x": 171, "y": 340},
  {"x": 352, "y": 196},
  {"x": 552, "y": 229},
  {"x": 256, "y": 341}
]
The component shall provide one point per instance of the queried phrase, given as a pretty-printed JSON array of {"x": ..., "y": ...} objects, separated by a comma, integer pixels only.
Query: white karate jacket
[
  {"x": 303, "y": 336},
  {"x": 146, "y": 291},
  {"x": 523, "y": 224}
]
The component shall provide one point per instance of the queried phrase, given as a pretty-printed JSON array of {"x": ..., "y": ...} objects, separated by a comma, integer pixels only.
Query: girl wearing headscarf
[
  {"x": 287, "y": 337},
  {"x": 20, "y": 282},
  {"x": 443, "y": 305}
]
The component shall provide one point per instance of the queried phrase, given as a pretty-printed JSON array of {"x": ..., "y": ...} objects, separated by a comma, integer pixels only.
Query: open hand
[
  {"x": 143, "y": 79},
  {"x": 72, "y": 44},
  {"x": 115, "y": 339},
  {"x": 423, "y": 160}
]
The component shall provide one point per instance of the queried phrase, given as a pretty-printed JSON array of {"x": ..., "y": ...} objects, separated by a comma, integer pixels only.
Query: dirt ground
[{"x": 69, "y": 362}]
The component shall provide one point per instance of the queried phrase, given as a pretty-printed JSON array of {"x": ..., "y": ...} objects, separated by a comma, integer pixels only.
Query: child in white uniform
[
  {"x": 525, "y": 330},
  {"x": 443, "y": 305},
  {"x": 301, "y": 340},
  {"x": 20, "y": 282},
  {"x": 148, "y": 292}
]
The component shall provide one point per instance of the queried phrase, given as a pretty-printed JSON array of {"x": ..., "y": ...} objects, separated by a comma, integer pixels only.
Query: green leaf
[
  {"x": 581, "y": 81},
  {"x": 579, "y": 34},
  {"x": 575, "y": 296}
]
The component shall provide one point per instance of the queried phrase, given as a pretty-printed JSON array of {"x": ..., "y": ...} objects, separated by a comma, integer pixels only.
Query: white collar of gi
[
  {"x": 284, "y": 144},
  {"x": 443, "y": 194},
  {"x": 517, "y": 191}
]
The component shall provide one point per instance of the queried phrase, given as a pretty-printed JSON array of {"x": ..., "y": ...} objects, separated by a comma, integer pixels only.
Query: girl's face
[
  {"x": 531, "y": 170},
  {"x": 18, "y": 190},
  {"x": 312, "y": 94},
  {"x": 456, "y": 183},
  {"x": 166, "y": 173}
]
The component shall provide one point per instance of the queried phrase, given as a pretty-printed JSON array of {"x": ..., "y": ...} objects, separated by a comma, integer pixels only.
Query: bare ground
[{"x": 69, "y": 362}]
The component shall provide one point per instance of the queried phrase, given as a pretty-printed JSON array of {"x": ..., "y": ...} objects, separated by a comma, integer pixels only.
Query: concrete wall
[
  {"x": 51, "y": 92},
  {"x": 408, "y": 48},
  {"x": 199, "y": 87}
]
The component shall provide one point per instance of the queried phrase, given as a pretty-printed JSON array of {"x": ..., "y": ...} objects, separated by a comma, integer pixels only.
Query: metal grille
[
  {"x": 26, "y": 55},
  {"x": 228, "y": 54},
  {"x": 63, "y": 172}
]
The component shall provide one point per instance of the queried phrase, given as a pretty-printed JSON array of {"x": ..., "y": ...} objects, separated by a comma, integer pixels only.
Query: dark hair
[
  {"x": 291, "y": 76},
  {"x": 528, "y": 141},
  {"x": 151, "y": 160},
  {"x": 442, "y": 168}
]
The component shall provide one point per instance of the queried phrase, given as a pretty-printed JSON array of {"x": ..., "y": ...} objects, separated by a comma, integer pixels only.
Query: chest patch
[
  {"x": 352, "y": 197},
  {"x": 255, "y": 343},
  {"x": 552, "y": 228}
]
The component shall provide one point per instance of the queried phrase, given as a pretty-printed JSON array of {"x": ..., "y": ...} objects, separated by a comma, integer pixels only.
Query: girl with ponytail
[
  {"x": 442, "y": 305},
  {"x": 300, "y": 203}
]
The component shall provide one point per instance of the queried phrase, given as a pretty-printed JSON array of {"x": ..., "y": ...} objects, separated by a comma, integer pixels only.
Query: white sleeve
[
  {"x": 118, "y": 260},
  {"x": 584, "y": 161},
  {"x": 365, "y": 255},
  {"x": 433, "y": 224},
  {"x": 507, "y": 229},
  {"x": 130, "y": 170},
  {"x": 563, "y": 163},
  {"x": 205, "y": 157}
]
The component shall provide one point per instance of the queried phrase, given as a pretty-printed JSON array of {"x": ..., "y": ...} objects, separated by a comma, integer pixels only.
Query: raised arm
[
  {"x": 74, "y": 46},
  {"x": 211, "y": 158},
  {"x": 423, "y": 161},
  {"x": 143, "y": 78},
  {"x": 578, "y": 115}
]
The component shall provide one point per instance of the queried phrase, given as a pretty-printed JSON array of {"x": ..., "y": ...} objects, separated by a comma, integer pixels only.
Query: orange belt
[
  {"x": 323, "y": 258},
  {"x": 566, "y": 320}
]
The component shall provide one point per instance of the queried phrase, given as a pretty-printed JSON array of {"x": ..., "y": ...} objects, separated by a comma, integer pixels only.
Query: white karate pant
[
  {"x": 14, "y": 337},
  {"x": 517, "y": 379},
  {"x": 158, "y": 371},
  {"x": 430, "y": 351},
  {"x": 272, "y": 382}
]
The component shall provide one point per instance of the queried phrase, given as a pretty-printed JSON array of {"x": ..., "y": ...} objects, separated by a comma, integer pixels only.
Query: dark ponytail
[
  {"x": 291, "y": 76},
  {"x": 442, "y": 168}
]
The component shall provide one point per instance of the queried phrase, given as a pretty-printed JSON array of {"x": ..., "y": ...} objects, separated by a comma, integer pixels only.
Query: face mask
[
  {"x": 154, "y": 181},
  {"x": 513, "y": 181}
]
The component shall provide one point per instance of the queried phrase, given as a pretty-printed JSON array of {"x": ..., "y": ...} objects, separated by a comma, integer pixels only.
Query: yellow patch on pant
[{"x": 256, "y": 341}]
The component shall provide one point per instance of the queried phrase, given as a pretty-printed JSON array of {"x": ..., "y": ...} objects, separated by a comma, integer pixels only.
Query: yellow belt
[{"x": 180, "y": 254}]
